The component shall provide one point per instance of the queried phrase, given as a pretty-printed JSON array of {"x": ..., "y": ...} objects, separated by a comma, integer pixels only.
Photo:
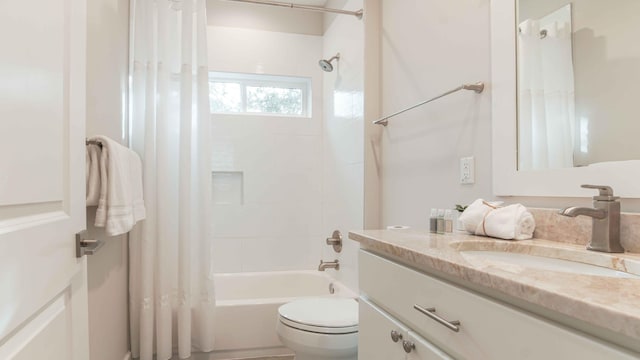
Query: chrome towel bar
[
  {"x": 477, "y": 87},
  {"x": 93, "y": 142}
]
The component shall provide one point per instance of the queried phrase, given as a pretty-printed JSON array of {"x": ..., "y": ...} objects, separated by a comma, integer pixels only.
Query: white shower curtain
[
  {"x": 546, "y": 108},
  {"x": 171, "y": 280}
]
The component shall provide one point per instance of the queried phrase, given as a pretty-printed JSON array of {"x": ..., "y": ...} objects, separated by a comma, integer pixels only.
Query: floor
[
  {"x": 280, "y": 357},
  {"x": 270, "y": 358}
]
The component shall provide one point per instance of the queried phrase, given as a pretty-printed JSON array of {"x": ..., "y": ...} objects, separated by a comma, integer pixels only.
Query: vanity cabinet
[{"x": 459, "y": 322}]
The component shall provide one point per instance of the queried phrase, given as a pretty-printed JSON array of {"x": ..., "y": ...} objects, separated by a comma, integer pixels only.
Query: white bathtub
[{"x": 247, "y": 308}]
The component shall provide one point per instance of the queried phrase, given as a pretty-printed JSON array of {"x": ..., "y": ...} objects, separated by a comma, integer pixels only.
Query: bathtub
[{"x": 247, "y": 309}]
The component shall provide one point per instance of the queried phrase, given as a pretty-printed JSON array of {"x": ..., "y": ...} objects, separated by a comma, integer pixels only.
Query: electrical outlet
[{"x": 467, "y": 170}]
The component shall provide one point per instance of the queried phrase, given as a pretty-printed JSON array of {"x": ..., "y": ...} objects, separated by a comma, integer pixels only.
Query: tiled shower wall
[
  {"x": 267, "y": 170},
  {"x": 343, "y": 137}
]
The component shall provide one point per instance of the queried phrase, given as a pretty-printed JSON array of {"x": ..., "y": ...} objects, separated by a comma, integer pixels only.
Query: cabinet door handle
[
  {"x": 395, "y": 336},
  {"x": 408, "y": 346},
  {"x": 431, "y": 312}
]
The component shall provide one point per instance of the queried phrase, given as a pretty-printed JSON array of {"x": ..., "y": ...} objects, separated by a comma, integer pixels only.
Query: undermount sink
[{"x": 518, "y": 257}]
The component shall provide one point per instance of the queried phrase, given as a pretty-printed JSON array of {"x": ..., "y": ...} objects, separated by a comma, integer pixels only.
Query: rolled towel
[
  {"x": 474, "y": 214},
  {"x": 509, "y": 222}
]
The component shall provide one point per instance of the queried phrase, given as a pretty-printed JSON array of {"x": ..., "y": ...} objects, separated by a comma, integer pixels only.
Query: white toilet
[{"x": 320, "y": 328}]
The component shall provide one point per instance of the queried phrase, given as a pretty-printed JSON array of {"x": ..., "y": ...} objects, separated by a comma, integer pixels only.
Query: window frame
[{"x": 245, "y": 80}]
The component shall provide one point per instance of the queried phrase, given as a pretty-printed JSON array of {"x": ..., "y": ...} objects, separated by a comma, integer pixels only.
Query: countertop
[{"x": 607, "y": 302}]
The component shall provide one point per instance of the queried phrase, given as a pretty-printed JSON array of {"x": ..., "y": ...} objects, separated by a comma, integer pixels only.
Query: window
[{"x": 235, "y": 93}]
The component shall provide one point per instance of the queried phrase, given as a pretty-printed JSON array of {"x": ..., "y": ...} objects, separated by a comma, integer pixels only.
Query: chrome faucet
[
  {"x": 329, "y": 265},
  {"x": 605, "y": 230}
]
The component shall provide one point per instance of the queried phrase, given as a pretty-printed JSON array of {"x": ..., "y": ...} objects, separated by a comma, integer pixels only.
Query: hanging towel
[
  {"x": 489, "y": 219},
  {"x": 93, "y": 153},
  {"x": 118, "y": 176}
]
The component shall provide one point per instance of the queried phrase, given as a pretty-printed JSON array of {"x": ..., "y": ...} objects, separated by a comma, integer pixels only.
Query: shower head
[{"x": 326, "y": 64}]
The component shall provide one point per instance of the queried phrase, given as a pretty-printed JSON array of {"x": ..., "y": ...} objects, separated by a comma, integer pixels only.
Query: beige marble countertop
[{"x": 608, "y": 302}]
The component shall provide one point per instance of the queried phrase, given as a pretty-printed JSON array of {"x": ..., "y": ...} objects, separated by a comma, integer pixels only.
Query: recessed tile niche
[{"x": 228, "y": 187}]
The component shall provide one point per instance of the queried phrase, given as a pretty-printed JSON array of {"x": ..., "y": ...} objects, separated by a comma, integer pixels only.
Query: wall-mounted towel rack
[
  {"x": 477, "y": 87},
  {"x": 92, "y": 142}
]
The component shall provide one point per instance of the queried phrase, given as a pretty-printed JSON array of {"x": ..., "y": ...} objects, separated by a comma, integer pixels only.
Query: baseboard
[{"x": 127, "y": 356}]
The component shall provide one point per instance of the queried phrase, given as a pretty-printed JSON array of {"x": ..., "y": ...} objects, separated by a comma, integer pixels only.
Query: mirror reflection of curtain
[{"x": 546, "y": 111}]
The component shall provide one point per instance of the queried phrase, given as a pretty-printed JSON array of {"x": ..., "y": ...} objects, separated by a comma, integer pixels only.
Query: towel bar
[
  {"x": 477, "y": 87},
  {"x": 92, "y": 142}
]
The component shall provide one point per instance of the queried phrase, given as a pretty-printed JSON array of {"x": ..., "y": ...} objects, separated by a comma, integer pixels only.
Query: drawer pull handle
[
  {"x": 395, "y": 336},
  {"x": 431, "y": 312},
  {"x": 408, "y": 346}
]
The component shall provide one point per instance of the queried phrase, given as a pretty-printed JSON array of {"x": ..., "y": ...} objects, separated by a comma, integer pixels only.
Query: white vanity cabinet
[
  {"x": 381, "y": 336},
  {"x": 457, "y": 321}
]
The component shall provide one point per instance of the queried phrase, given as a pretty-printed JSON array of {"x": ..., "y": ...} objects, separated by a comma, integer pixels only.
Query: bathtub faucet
[{"x": 329, "y": 265}]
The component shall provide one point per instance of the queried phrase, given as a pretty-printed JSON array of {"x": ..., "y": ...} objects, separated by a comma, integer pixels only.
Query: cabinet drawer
[
  {"x": 374, "y": 338},
  {"x": 487, "y": 330},
  {"x": 374, "y": 334}
]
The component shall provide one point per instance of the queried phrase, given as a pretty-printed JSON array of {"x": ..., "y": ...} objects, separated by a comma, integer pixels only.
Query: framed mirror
[{"x": 562, "y": 110}]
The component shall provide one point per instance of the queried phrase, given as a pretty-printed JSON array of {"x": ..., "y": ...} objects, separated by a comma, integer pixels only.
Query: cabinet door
[
  {"x": 374, "y": 334},
  {"x": 424, "y": 350}
]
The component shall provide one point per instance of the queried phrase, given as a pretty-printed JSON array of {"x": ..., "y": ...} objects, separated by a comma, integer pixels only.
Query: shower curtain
[
  {"x": 171, "y": 280},
  {"x": 546, "y": 108}
]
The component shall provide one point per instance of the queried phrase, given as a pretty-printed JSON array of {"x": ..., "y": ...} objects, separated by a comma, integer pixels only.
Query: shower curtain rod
[{"x": 357, "y": 13}]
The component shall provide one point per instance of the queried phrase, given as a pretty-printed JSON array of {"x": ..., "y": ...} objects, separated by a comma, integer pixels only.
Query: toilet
[{"x": 320, "y": 328}]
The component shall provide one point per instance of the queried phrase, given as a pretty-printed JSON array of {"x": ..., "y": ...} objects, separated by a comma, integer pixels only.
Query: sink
[{"x": 520, "y": 257}]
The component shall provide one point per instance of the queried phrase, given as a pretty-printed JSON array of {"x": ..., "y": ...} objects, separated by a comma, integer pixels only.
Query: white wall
[
  {"x": 428, "y": 47},
  {"x": 278, "y": 225},
  {"x": 107, "y": 70},
  {"x": 343, "y": 138}
]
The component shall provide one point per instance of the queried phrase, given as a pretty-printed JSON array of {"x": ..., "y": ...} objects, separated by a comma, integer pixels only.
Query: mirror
[
  {"x": 604, "y": 89},
  {"x": 578, "y": 76}
]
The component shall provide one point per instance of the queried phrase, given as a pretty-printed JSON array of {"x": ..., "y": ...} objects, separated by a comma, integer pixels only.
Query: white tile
[
  {"x": 227, "y": 255},
  {"x": 276, "y": 254},
  {"x": 236, "y": 220},
  {"x": 227, "y": 188}
]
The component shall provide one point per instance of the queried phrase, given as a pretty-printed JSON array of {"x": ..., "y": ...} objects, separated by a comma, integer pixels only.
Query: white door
[{"x": 43, "y": 291}]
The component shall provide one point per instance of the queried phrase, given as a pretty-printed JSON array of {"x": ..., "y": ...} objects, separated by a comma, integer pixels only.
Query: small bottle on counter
[
  {"x": 433, "y": 221},
  {"x": 448, "y": 221},
  {"x": 440, "y": 222}
]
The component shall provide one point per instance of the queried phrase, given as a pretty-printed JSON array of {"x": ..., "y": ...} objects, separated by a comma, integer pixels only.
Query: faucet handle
[{"x": 606, "y": 192}]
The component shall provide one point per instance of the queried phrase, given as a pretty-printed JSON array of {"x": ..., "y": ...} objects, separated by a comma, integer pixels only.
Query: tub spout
[{"x": 329, "y": 265}]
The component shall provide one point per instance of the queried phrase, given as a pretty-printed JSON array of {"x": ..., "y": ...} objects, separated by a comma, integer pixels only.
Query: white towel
[
  {"x": 509, "y": 222},
  {"x": 93, "y": 174},
  {"x": 120, "y": 203}
]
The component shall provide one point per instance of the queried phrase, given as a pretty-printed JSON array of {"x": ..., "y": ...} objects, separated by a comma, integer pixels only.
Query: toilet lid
[{"x": 322, "y": 315}]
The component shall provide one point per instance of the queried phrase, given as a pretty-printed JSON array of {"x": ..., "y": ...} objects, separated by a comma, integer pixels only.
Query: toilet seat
[{"x": 321, "y": 315}]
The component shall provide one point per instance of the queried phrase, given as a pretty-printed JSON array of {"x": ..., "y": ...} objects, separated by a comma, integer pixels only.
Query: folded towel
[
  {"x": 488, "y": 219},
  {"x": 120, "y": 203}
]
